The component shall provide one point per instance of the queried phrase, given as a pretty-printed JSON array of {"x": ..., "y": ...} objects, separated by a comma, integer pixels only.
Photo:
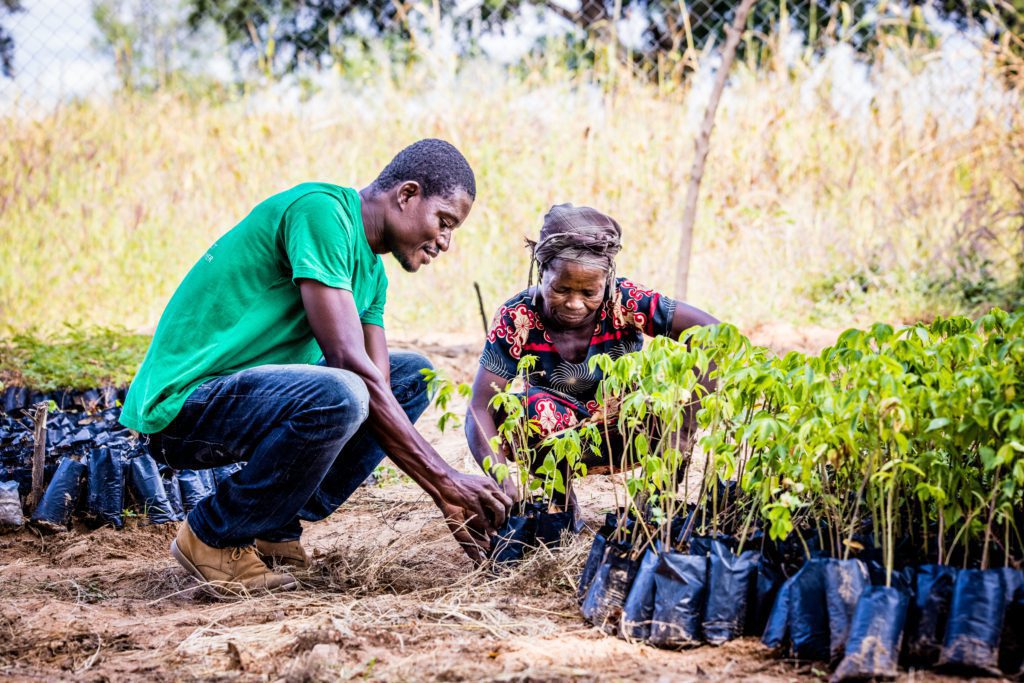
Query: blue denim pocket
[{"x": 194, "y": 454}]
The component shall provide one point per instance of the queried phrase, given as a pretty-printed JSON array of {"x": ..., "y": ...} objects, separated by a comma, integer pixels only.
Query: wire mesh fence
[{"x": 55, "y": 49}]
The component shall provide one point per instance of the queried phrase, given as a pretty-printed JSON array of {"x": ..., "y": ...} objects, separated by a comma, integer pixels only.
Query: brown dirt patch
[{"x": 390, "y": 597}]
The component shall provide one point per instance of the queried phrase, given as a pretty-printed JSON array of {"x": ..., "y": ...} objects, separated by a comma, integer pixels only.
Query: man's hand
[{"x": 474, "y": 508}]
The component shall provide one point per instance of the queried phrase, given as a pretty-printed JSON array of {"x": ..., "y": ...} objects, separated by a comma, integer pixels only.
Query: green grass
[{"x": 74, "y": 359}]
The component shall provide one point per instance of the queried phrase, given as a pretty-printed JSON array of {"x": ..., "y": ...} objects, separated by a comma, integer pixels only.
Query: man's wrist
[{"x": 436, "y": 477}]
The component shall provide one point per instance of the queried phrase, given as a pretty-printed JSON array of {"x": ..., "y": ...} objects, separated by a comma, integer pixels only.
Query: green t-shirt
[{"x": 240, "y": 306}]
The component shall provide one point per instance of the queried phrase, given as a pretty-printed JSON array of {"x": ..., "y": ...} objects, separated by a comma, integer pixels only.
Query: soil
[{"x": 390, "y": 597}]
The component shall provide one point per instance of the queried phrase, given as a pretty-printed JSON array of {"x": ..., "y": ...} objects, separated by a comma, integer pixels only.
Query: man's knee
[
  {"x": 409, "y": 363},
  {"x": 407, "y": 381},
  {"x": 407, "y": 370},
  {"x": 343, "y": 395}
]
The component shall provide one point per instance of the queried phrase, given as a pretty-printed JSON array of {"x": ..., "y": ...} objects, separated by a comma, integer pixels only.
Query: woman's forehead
[{"x": 564, "y": 270}]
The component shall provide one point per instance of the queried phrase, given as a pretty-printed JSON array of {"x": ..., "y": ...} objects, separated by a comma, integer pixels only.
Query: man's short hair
[{"x": 436, "y": 165}]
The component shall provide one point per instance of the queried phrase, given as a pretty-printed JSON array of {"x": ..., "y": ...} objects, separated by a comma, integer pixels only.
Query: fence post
[{"x": 38, "y": 455}]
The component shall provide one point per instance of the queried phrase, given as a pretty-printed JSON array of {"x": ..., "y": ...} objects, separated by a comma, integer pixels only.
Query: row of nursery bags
[
  {"x": 961, "y": 620},
  {"x": 829, "y": 610},
  {"x": 100, "y": 486}
]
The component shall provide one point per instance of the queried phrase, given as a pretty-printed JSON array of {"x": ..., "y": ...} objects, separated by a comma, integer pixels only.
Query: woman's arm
[
  {"x": 480, "y": 426},
  {"x": 687, "y": 316}
]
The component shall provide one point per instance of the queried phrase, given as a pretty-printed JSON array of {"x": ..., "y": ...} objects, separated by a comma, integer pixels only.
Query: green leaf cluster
[
  {"x": 441, "y": 390},
  {"x": 888, "y": 435}
]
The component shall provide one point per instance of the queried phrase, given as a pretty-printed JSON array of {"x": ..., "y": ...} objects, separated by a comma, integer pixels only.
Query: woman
[{"x": 578, "y": 309}]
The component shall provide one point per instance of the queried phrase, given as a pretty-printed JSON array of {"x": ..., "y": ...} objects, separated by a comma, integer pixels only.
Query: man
[{"x": 232, "y": 373}]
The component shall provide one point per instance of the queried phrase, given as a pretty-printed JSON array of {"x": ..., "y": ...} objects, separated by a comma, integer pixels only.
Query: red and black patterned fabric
[{"x": 561, "y": 392}]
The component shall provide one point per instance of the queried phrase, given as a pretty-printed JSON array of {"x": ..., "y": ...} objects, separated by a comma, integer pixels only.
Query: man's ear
[{"x": 406, "y": 191}]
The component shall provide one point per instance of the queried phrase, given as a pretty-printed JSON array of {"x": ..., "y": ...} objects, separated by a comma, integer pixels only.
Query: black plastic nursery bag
[
  {"x": 595, "y": 556},
  {"x": 680, "y": 594},
  {"x": 702, "y": 545},
  {"x": 61, "y": 497},
  {"x": 928, "y": 613},
  {"x": 975, "y": 622},
  {"x": 730, "y": 581},
  {"x": 602, "y": 606},
  {"x": 776, "y": 629},
  {"x": 518, "y": 533},
  {"x": 106, "y": 487},
  {"x": 195, "y": 485},
  {"x": 638, "y": 609},
  {"x": 551, "y": 526},
  {"x": 808, "y": 612},
  {"x": 768, "y": 581},
  {"x": 590, "y": 567},
  {"x": 873, "y": 648},
  {"x": 845, "y": 581},
  {"x": 173, "y": 491},
  {"x": 1011, "y": 643},
  {"x": 14, "y": 399},
  {"x": 148, "y": 488}
]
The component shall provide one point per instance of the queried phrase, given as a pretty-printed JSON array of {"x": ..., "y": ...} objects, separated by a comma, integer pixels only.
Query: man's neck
[{"x": 372, "y": 208}]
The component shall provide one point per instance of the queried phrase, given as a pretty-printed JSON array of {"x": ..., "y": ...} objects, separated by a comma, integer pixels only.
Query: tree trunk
[{"x": 701, "y": 146}]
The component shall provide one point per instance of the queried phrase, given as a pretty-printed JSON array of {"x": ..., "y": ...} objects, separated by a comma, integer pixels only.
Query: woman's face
[{"x": 572, "y": 293}]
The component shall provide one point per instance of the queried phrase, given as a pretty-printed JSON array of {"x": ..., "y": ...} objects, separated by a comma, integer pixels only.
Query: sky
[{"x": 54, "y": 53}]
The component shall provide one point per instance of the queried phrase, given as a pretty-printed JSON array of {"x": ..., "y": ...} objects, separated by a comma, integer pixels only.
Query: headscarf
[{"x": 580, "y": 234}]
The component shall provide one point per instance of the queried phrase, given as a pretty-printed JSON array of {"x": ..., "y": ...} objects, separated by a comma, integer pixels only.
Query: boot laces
[{"x": 240, "y": 552}]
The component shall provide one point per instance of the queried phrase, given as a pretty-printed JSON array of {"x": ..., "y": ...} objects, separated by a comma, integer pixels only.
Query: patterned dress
[{"x": 562, "y": 393}]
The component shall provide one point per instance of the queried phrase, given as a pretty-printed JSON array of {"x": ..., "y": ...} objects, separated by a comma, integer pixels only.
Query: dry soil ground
[{"x": 390, "y": 597}]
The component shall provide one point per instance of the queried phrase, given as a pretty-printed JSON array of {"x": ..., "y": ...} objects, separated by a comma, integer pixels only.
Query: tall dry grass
[{"x": 808, "y": 211}]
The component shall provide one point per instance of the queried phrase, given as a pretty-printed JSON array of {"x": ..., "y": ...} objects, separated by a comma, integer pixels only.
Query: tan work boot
[
  {"x": 283, "y": 553},
  {"x": 226, "y": 572}
]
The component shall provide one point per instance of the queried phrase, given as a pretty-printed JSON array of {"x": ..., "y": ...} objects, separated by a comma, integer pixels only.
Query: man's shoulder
[
  {"x": 308, "y": 196},
  {"x": 320, "y": 204}
]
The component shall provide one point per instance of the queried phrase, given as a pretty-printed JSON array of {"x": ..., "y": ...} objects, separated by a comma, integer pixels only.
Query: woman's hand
[{"x": 510, "y": 488}]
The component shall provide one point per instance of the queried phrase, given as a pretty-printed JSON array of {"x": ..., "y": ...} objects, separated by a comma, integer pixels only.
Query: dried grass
[
  {"x": 352, "y": 596},
  {"x": 815, "y": 210}
]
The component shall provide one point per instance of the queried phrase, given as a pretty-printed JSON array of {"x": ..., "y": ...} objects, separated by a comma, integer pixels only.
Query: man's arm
[
  {"x": 376, "y": 344},
  {"x": 473, "y": 506}
]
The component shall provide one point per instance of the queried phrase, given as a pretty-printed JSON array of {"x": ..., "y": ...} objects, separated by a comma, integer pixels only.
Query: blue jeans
[{"x": 301, "y": 429}]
